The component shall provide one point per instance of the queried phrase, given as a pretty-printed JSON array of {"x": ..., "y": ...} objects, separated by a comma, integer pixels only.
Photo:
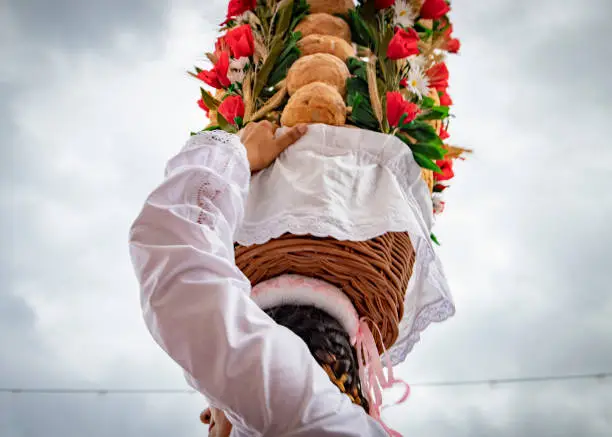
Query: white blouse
[
  {"x": 196, "y": 305},
  {"x": 353, "y": 184}
]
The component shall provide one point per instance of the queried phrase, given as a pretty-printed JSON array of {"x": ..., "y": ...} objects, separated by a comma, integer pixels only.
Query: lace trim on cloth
[
  {"x": 427, "y": 277},
  {"x": 428, "y": 294}
]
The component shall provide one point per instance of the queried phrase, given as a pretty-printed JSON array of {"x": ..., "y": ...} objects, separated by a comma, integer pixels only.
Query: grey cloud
[
  {"x": 74, "y": 24},
  {"x": 532, "y": 196}
]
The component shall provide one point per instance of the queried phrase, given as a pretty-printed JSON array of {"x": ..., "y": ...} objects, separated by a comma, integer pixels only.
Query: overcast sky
[{"x": 94, "y": 100}]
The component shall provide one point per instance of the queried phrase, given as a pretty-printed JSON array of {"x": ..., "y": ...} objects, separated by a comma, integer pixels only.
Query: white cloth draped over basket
[{"x": 353, "y": 184}]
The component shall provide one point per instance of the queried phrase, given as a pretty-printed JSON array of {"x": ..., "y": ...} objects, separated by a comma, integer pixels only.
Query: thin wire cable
[{"x": 489, "y": 382}]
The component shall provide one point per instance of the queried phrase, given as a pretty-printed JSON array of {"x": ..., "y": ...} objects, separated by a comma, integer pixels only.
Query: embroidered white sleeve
[{"x": 195, "y": 303}]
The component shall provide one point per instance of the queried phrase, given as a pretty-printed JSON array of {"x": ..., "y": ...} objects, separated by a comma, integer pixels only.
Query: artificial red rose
[
  {"x": 445, "y": 99},
  {"x": 217, "y": 77},
  {"x": 239, "y": 7},
  {"x": 434, "y": 9},
  {"x": 446, "y": 165},
  {"x": 439, "y": 188},
  {"x": 452, "y": 45},
  {"x": 404, "y": 82},
  {"x": 202, "y": 105},
  {"x": 383, "y": 4},
  {"x": 403, "y": 44},
  {"x": 232, "y": 107},
  {"x": 240, "y": 41},
  {"x": 444, "y": 135},
  {"x": 438, "y": 76},
  {"x": 397, "y": 106}
]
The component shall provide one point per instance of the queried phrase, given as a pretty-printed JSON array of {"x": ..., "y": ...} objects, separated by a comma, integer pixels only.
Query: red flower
[
  {"x": 239, "y": 7},
  {"x": 446, "y": 166},
  {"x": 217, "y": 77},
  {"x": 445, "y": 99},
  {"x": 404, "y": 82},
  {"x": 452, "y": 45},
  {"x": 438, "y": 76},
  {"x": 221, "y": 46},
  {"x": 240, "y": 41},
  {"x": 232, "y": 107},
  {"x": 434, "y": 9},
  {"x": 439, "y": 188},
  {"x": 397, "y": 106},
  {"x": 383, "y": 4},
  {"x": 444, "y": 135},
  {"x": 403, "y": 44},
  {"x": 202, "y": 105}
]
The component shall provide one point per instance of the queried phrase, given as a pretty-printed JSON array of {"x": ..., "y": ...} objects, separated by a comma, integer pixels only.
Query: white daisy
[
  {"x": 236, "y": 69},
  {"x": 404, "y": 13},
  {"x": 417, "y": 81}
]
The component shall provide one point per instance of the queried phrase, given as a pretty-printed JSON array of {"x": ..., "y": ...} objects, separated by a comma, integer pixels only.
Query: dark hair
[{"x": 328, "y": 342}]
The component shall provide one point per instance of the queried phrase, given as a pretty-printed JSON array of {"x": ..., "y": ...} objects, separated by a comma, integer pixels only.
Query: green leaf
[
  {"x": 356, "y": 86},
  {"x": 362, "y": 114},
  {"x": 301, "y": 8},
  {"x": 425, "y": 162},
  {"x": 210, "y": 102},
  {"x": 225, "y": 125},
  {"x": 209, "y": 128},
  {"x": 435, "y": 113},
  {"x": 435, "y": 239},
  {"x": 289, "y": 55},
  {"x": 238, "y": 121},
  {"x": 427, "y": 103},
  {"x": 422, "y": 132},
  {"x": 283, "y": 19},
  {"x": 419, "y": 27},
  {"x": 361, "y": 31},
  {"x": 266, "y": 68},
  {"x": 358, "y": 68},
  {"x": 428, "y": 150}
]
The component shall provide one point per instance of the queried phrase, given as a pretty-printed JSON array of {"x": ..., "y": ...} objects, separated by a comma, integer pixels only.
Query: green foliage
[
  {"x": 426, "y": 162},
  {"x": 210, "y": 102},
  {"x": 289, "y": 55},
  {"x": 435, "y": 113},
  {"x": 358, "y": 68},
  {"x": 225, "y": 125},
  {"x": 362, "y": 32},
  {"x": 301, "y": 8},
  {"x": 282, "y": 23},
  {"x": 358, "y": 98}
]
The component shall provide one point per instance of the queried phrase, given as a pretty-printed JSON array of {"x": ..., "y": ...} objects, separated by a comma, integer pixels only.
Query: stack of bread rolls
[{"x": 316, "y": 83}]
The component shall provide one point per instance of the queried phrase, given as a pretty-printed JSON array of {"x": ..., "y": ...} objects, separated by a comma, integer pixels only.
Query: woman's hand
[{"x": 261, "y": 145}]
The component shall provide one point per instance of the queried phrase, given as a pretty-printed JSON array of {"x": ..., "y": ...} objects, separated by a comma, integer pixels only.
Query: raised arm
[{"x": 196, "y": 303}]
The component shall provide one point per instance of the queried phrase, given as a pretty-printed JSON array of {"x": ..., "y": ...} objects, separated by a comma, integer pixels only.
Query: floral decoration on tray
[{"x": 374, "y": 64}]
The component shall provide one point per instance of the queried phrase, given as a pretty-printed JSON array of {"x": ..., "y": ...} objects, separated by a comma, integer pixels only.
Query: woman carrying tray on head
[
  {"x": 197, "y": 307},
  {"x": 333, "y": 240},
  {"x": 266, "y": 379}
]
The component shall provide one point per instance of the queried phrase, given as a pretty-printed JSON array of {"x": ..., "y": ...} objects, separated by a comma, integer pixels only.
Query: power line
[{"x": 489, "y": 382}]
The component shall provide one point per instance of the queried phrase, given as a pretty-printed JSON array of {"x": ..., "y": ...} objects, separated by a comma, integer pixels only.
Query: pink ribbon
[{"x": 372, "y": 375}]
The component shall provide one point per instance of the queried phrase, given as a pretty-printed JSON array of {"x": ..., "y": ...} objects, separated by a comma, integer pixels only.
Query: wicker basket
[{"x": 374, "y": 274}]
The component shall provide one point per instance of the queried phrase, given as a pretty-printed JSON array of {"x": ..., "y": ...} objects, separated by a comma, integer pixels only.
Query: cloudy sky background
[{"x": 94, "y": 100}]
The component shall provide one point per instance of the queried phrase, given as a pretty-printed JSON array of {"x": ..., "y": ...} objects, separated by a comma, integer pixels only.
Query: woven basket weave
[{"x": 374, "y": 274}]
